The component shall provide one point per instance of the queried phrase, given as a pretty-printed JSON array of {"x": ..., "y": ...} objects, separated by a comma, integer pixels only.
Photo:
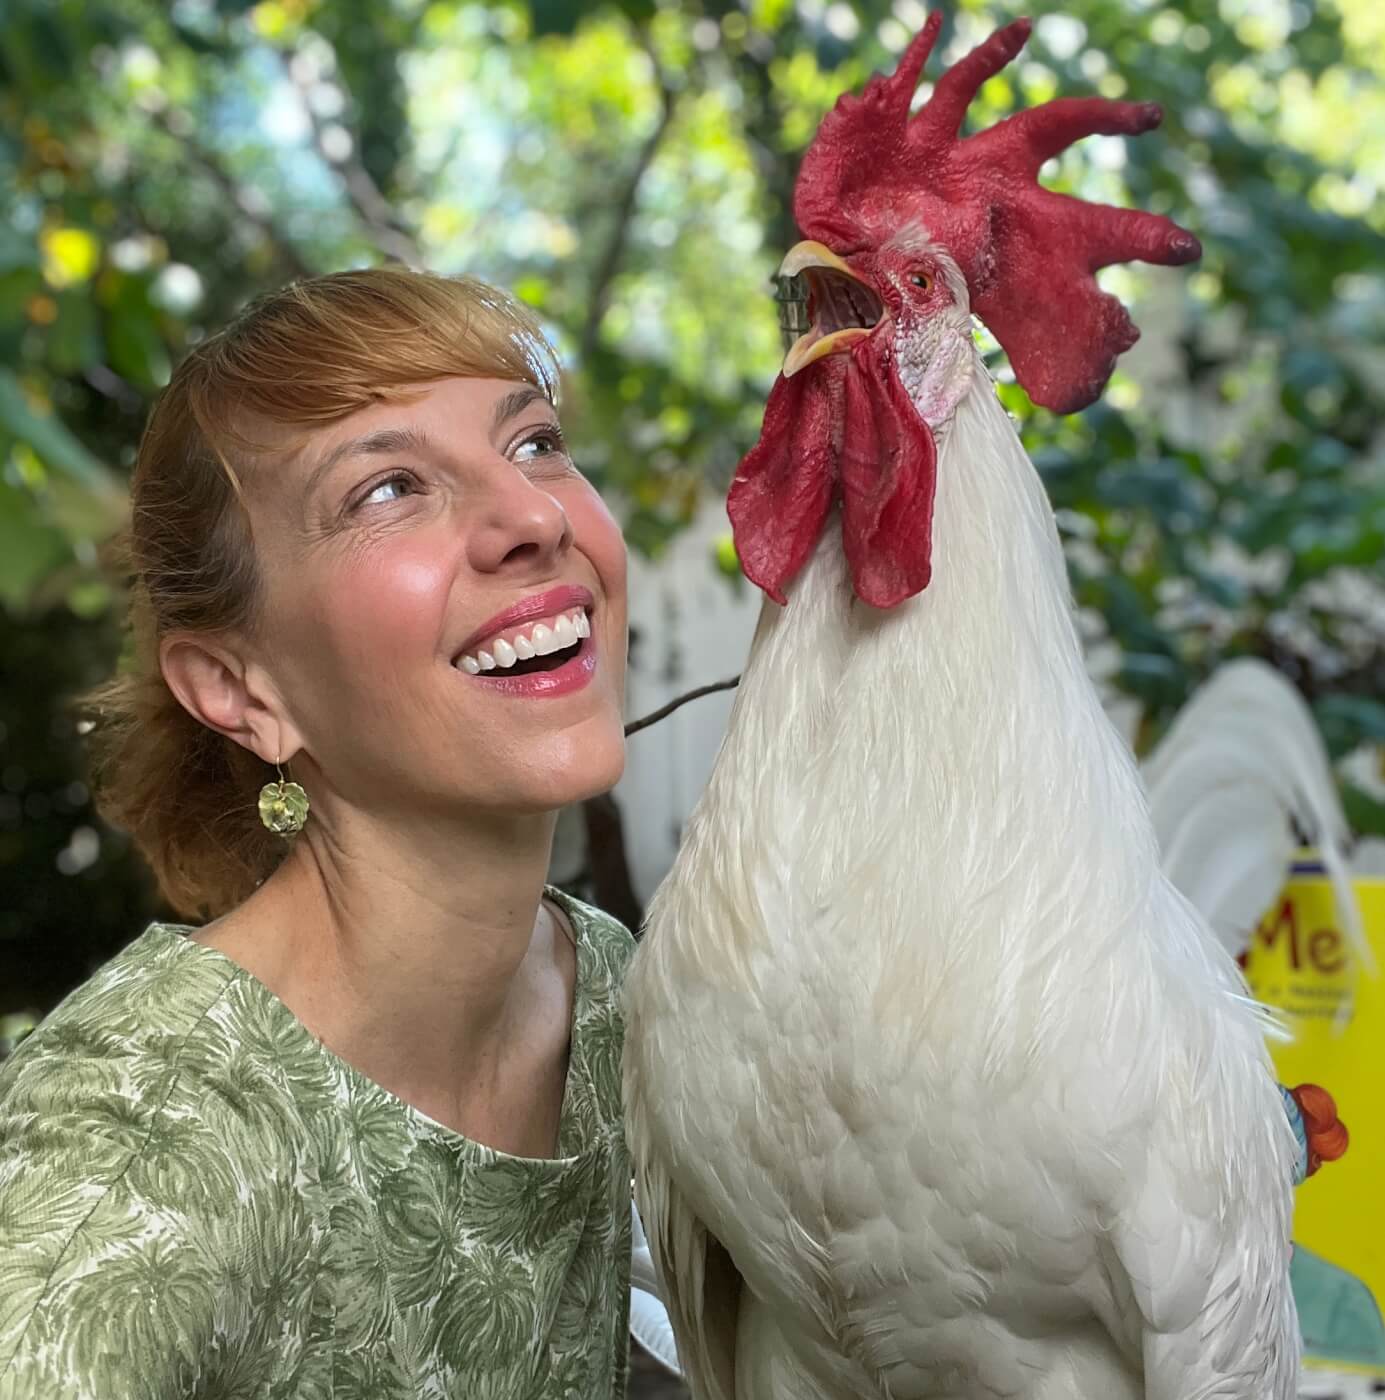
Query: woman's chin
[
  {"x": 596, "y": 775},
  {"x": 568, "y": 773}
]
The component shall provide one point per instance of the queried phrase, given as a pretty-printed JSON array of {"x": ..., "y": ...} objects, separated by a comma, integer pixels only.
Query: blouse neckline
[{"x": 576, "y": 1081}]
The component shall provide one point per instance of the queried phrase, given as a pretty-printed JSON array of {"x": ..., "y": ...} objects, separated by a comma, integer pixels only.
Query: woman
[{"x": 359, "y": 1134}]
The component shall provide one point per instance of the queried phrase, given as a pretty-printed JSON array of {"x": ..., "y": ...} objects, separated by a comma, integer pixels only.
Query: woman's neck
[{"x": 427, "y": 960}]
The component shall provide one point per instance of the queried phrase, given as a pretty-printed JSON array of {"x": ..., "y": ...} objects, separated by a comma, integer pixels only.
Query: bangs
[{"x": 318, "y": 351}]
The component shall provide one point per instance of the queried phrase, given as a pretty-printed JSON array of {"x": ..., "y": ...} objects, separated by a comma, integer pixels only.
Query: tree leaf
[
  {"x": 30, "y": 548},
  {"x": 56, "y": 446},
  {"x": 1348, "y": 721}
]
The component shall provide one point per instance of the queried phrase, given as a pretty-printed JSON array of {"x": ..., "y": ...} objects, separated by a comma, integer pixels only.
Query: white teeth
[{"x": 567, "y": 630}]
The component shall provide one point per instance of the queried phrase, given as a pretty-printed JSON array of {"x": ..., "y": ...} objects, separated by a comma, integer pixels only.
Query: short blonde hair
[{"x": 308, "y": 355}]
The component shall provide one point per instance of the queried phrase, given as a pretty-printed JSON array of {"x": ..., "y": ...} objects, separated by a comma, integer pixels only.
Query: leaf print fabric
[{"x": 197, "y": 1199}]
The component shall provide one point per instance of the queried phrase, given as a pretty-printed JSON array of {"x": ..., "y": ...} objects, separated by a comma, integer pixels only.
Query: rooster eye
[{"x": 922, "y": 279}]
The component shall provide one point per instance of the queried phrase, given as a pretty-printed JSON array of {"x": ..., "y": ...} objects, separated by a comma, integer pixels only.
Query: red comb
[{"x": 1028, "y": 254}]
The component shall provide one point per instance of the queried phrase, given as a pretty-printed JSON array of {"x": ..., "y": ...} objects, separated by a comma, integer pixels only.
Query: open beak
[{"x": 844, "y": 309}]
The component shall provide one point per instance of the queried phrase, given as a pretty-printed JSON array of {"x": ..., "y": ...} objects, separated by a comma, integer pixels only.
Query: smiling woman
[{"x": 359, "y": 1132}]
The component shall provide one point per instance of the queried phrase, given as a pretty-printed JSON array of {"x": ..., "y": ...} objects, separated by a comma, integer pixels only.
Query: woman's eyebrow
[
  {"x": 379, "y": 443},
  {"x": 516, "y": 401}
]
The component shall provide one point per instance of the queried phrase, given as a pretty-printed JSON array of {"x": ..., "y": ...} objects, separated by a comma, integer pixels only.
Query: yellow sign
[{"x": 1300, "y": 964}]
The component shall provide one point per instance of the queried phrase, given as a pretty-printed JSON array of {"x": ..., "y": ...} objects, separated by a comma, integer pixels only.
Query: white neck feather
[{"x": 942, "y": 765}]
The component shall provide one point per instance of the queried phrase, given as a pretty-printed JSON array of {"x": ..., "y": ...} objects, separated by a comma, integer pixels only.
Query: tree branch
[
  {"x": 246, "y": 201},
  {"x": 664, "y": 711},
  {"x": 599, "y": 297},
  {"x": 377, "y": 216},
  {"x": 763, "y": 131}
]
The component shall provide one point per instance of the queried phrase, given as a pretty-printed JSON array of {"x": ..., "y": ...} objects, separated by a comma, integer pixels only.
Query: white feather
[
  {"x": 1368, "y": 861},
  {"x": 649, "y": 1324},
  {"x": 1241, "y": 767}
]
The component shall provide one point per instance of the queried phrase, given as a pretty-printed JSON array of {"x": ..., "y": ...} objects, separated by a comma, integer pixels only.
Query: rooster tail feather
[
  {"x": 1246, "y": 746},
  {"x": 701, "y": 1285}
]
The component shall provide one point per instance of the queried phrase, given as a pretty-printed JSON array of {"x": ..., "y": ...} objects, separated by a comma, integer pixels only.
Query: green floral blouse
[{"x": 198, "y": 1199}]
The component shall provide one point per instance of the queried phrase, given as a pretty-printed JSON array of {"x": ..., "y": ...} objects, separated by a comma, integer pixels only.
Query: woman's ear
[{"x": 220, "y": 689}]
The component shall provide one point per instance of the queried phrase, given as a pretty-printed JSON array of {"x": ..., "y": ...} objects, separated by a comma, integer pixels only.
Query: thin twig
[
  {"x": 664, "y": 711},
  {"x": 599, "y": 296}
]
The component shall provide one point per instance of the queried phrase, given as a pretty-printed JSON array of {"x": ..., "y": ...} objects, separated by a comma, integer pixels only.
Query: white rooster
[{"x": 936, "y": 1086}]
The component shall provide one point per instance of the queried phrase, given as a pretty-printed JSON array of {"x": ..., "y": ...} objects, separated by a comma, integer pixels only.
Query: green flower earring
[{"x": 283, "y": 806}]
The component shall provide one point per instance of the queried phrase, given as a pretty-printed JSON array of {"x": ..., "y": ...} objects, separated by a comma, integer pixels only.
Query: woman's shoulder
[
  {"x": 604, "y": 949},
  {"x": 129, "y": 1021},
  {"x": 169, "y": 1037},
  {"x": 123, "y": 1140},
  {"x": 602, "y": 934}
]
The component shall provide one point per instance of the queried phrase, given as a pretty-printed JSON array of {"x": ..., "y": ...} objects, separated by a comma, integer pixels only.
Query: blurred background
[{"x": 626, "y": 169}]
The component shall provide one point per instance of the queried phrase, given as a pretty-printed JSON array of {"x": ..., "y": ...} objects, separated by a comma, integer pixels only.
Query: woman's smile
[{"x": 540, "y": 646}]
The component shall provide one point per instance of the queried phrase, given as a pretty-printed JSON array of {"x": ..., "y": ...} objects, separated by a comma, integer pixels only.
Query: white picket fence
[{"x": 689, "y": 626}]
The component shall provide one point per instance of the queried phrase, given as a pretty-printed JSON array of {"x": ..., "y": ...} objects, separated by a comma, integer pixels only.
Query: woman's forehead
[{"x": 440, "y": 410}]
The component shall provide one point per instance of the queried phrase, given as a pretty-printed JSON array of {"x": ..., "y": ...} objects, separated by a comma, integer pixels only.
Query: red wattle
[
  {"x": 784, "y": 484},
  {"x": 889, "y": 471},
  {"x": 883, "y": 472}
]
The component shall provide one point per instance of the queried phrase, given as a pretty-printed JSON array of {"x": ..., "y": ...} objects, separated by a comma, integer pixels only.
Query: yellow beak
[{"x": 816, "y": 260}]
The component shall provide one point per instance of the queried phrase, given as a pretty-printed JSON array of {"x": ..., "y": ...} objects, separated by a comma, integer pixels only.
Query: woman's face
[{"x": 409, "y": 552}]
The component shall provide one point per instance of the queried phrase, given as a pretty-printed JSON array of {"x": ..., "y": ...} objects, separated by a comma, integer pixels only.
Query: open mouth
[
  {"x": 841, "y": 308},
  {"x": 547, "y": 644},
  {"x": 551, "y": 662}
]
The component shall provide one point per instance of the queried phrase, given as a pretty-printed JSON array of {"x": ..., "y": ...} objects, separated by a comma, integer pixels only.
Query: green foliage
[{"x": 627, "y": 167}]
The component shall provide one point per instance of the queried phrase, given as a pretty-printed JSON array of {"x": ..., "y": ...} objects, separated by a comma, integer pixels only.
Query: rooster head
[{"x": 911, "y": 229}]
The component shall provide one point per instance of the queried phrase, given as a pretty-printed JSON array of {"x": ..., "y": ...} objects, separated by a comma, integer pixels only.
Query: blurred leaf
[
  {"x": 1365, "y": 814},
  {"x": 1157, "y": 680},
  {"x": 90, "y": 598},
  {"x": 133, "y": 342},
  {"x": 74, "y": 339},
  {"x": 50, "y": 439},
  {"x": 30, "y": 548},
  {"x": 728, "y": 562},
  {"x": 70, "y": 255},
  {"x": 15, "y": 249},
  {"x": 1348, "y": 721}
]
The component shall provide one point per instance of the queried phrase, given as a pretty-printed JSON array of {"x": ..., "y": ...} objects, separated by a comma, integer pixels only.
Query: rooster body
[
  {"x": 936, "y": 1086},
  {"x": 937, "y": 1089}
]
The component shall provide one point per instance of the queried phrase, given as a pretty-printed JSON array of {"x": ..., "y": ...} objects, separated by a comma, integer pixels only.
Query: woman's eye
[
  {"x": 392, "y": 488},
  {"x": 544, "y": 444}
]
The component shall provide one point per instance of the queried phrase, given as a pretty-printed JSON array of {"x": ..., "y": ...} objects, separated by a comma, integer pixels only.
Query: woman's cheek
[
  {"x": 392, "y": 602},
  {"x": 597, "y": 535}
]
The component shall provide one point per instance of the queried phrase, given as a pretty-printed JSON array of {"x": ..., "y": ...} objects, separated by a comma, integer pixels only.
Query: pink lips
[
  {"x": 556, "y": 600},
  {"x": 571, "y": 675}
]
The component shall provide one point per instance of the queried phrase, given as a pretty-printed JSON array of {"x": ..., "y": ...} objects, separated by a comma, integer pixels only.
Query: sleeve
[{"x": 105, "y": 1290}]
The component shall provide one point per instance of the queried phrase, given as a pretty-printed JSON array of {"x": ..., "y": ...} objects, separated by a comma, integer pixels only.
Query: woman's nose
[{"x": 520, "y": 522}]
